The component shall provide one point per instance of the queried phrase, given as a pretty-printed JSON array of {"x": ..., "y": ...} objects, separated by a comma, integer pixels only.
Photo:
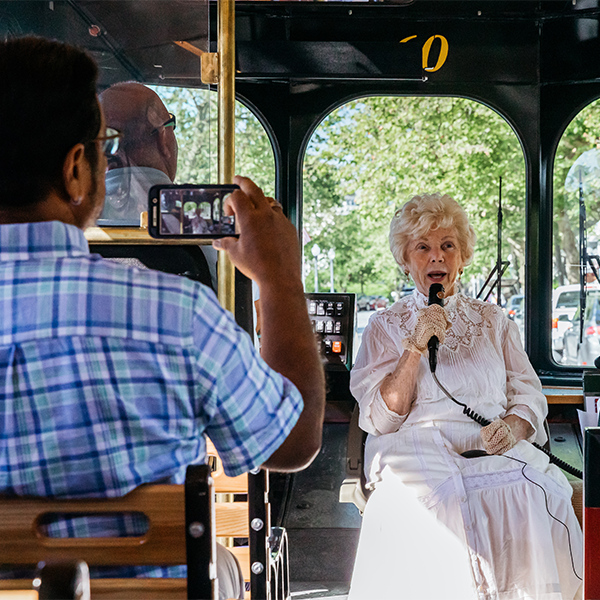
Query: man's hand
[
  {"x": 268, "y": 246},
  {"x": 268, "y": 251}
]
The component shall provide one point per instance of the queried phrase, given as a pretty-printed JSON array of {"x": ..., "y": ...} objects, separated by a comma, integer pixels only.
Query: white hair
[{"x": 427, "y": 212}]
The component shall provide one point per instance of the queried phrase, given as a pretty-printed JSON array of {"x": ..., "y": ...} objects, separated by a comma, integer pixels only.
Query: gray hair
[{"x": 424, "y": 213}]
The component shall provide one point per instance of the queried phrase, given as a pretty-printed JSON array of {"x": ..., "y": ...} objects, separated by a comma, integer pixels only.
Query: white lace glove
[
  {"x": 431, "y": 320},
  {"x": 497, "y": 437}
]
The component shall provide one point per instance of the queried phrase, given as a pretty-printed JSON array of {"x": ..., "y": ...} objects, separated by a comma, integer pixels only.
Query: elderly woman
[{"x": 439, "y": 525}]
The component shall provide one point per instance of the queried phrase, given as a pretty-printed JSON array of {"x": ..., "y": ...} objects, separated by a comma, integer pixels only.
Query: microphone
[{"x": 436, "y": 296}]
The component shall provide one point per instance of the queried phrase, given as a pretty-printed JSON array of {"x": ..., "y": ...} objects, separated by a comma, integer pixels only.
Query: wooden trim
[
  {"x": 22, "y": 590},
  {"x": 560, "y": 399},
  {"x": 135, "y": 236},
  {"x": 232, "y": 519},
  {"x": 139, "y": 589},
  {"x": 242, "y": 553},
  {"x": 563, "y": 395},
  {"x": 223, "y": 483},
  {"x": 230, "y": 485},
  {"x": 107, "y": 589}
]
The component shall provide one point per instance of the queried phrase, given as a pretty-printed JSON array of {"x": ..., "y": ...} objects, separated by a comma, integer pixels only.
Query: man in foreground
[{"x": 112, "y": 376}]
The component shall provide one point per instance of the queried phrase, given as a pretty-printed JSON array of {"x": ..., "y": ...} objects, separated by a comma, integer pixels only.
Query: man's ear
[
  {"x": 74, "y": 174},
  {"x": 163, "y": 144}
]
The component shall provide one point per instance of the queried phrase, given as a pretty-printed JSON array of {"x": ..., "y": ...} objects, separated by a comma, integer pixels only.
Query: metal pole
[
  {"x": 316, "y": 277},
  {"x": 226, "y": 119},
  {"x": 499, "y": 260},
  {"x": 331, "y": 275}
]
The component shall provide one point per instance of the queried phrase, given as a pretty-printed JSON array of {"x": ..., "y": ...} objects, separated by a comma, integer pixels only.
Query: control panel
[{"x": 332, "y": 317}]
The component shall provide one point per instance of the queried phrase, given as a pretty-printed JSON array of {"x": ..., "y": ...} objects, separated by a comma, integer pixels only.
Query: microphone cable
[
  {"x": 547, "y": 509},
  {"x": 553, "y": 459},
  {"x": 436, "y": 296},
  {"x": 483, "y": 422}
]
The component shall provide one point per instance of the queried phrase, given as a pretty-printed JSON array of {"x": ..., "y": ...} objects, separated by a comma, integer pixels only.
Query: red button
[{"x": 336, "y": 347}]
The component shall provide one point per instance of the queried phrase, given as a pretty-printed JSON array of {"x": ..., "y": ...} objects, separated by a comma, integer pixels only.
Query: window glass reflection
[
  {"x": 195, "y": 150},
  {"x": 576, "y": 235}
]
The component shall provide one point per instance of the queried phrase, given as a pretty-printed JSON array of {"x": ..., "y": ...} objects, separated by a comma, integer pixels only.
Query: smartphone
[{"x": 190, "y": 211}]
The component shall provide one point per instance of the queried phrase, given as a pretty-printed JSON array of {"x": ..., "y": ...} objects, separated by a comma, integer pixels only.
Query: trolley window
[{"x": 576, "y": 237}]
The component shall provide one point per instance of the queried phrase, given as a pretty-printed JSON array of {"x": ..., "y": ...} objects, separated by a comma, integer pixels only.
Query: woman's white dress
[{"x": 440, "y": 526}]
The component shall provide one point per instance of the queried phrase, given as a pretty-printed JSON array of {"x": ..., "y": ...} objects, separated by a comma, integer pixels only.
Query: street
[{"x": 362, "y": 318}]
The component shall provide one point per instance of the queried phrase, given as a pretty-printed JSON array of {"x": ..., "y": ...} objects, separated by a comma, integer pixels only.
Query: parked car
[
  {"x": 560, "y": 324},
  {"x": 514, "y": 310},
  {"x": 565, "y": 300},
  {"x": 584, "y": 352},
  {"x": 377, "y": 302},
  {"x": 565, "y": 304},
  {"x": 514, "y": 307},
  {"x": 362, "y": 302}
]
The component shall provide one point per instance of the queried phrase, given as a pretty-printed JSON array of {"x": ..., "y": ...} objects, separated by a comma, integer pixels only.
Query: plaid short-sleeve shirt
[{"x": 110, "y": 376}]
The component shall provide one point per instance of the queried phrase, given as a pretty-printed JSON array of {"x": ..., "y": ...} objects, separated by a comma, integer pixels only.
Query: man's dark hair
[{"x": 48, "y": 104}]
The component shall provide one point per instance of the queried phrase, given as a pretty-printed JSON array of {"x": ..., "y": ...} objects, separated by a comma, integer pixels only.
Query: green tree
[
  {"x": 581, "y": 136},
  {"x": 197, "y": 135}
]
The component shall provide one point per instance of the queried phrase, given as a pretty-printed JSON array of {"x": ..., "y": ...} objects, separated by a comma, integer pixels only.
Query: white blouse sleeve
[
  {"x": 523, "y": 387},
  {"x": 378, "y": 356}
]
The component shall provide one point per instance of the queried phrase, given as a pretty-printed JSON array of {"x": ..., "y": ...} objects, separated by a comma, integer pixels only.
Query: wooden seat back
[{"x": 23, "y": 542}]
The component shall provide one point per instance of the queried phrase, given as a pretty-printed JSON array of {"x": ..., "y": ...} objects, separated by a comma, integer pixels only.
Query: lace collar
[
  {"x": 470, "y": 318},
  {"x": 420, "y": 300}
]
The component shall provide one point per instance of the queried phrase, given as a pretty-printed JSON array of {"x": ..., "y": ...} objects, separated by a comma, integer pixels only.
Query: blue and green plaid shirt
[{"x": 111, "y": 376}]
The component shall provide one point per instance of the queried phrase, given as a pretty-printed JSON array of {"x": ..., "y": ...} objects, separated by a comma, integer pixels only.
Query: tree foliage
[
  {"x": 580, "y": 144},
  {"x": 197, "y": 135},
  {"x": 370, "y": 156}
]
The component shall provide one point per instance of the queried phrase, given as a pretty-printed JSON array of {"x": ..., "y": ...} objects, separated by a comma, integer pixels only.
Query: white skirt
[{"x": 440, "y": 526}]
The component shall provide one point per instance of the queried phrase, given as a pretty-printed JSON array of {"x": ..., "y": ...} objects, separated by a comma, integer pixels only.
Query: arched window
[{"x": 576, "y": 235}]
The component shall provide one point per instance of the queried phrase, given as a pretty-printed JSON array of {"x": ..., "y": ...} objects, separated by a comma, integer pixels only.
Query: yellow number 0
[{"x": 442, "y": 56}]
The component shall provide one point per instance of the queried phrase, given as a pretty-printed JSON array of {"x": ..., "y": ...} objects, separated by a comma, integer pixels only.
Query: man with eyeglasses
[
  {"x": 111, "y": 376},
  {"x": 147, "y": 156},
  {"x": 148, "y": 150}
]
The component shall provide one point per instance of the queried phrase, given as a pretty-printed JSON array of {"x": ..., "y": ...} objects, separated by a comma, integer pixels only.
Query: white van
[
  {"x": 565, "y": 299},
  {"x": 565, "y": 302}
]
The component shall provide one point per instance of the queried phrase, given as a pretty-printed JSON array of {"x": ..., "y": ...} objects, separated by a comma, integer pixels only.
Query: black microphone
[{"x": 436, "y": 296}]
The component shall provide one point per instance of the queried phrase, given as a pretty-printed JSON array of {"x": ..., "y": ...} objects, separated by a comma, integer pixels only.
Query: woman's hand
[
  {"x": 501, "y": 435},
  {"x": 497, "y": 437},
  {"x": 431, "y": 321}
]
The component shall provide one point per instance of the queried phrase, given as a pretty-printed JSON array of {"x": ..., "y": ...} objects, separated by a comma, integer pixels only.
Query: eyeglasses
[
  {"x": 170, "y": 122},
  {"x": 110, "y": 141}
]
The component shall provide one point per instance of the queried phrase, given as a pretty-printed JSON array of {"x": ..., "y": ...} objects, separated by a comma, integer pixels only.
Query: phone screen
[{"x": 190, "y": 211}]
